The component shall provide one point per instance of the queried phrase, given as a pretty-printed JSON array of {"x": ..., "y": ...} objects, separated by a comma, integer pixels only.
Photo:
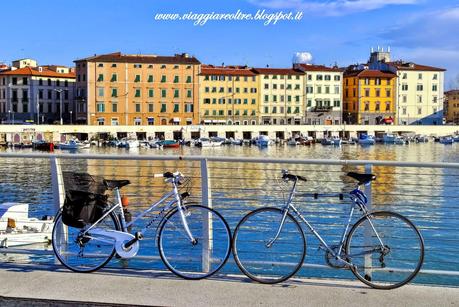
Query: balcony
[{"x": 321, "y": 109}]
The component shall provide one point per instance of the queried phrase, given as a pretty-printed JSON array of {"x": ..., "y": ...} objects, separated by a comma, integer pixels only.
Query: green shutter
[
  {"x": 137, "y": 78},
  {"x": 150, "y": 78},
  {"x": 100, "y": 78}
]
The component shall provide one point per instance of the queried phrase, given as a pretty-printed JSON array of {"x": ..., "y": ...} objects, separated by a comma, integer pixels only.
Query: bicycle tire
[
  {"x": 249, "y": 246},
  {"x": 65, "y": 246},
  {"x": 175, "y": 247},
  {"x": 404, "y": 247}
]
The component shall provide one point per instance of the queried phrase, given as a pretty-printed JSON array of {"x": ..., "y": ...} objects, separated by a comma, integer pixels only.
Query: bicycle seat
[
  {"x": 111, "y": 184},
  {"x": 362, "y": 178}
]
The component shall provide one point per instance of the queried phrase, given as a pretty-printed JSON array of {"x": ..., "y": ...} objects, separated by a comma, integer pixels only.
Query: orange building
[
  {"x": 369, "y": 96},
  {"x": 124, "y": 89},
  {"x": 452, "y": 106}
]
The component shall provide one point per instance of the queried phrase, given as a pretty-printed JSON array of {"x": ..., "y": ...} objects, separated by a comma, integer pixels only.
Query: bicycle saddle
[
  {"x": 362, "y": 178},
  {"x": 111, "y": 184}
]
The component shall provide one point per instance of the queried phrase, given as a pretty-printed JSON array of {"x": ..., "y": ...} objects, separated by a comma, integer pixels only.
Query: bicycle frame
[
  {"x": 174, "y": 197},
  {"x": 357, "y": 202}
]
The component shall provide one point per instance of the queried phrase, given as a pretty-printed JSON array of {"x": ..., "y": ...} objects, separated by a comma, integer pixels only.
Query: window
[
  {"x": 309, "y": 103},
  {"x": 419, "y": 87},
  {"x": 404, "y": 87},
  {"x": 176, "y": 93},
  {"x": 100, "y": 65},
  {"x": 100, "y": 106},
  {"x": 378, "y": 92},
  {"x": 100, "y": 91},
  {"x": 24, "y": 80},
  {"x": 434, "y": 87},
  {"x": 404, "y": 76},
  {"x": 337, "y": 89},
  {"x": 40, "y": 94},
  {"x": 266, "y": 86},
  {"x": 387, "y": 92},
  {"x": 387, "y": 105},
  {"x": 101, "y": 121},
  {"x": 327, "y": 77},
  {"x": 66, "y": 83},
  {"x": 419, "y": 111},
  {"x": 309, "y": 90},
  {"x": 100, "y": 78},
  {"x": 137, "y": 108},
  {"x": 319, "y": 89},
  {"x": 137, "y": 65},
  {"x": 188, "y": 79},
  {"x": 327, "y": 89},
  {"x": 163, "y": 93},
  {"x": 419, "y": 76},
  {"x": 114, "y": 107},
  {"x": 319, "y": 77},
  {"x": 176, "y": 79},
  {"x": 114, "y": 78},
  {"x": 114, "y": 92},
  {"x": 176, "y": 107},
  {"x": 151, "y": 92},
  {"x": 274, "y": 86},
  {"x": 419, "y": 98},
  {"x": 137, "y": 93},
  {"x": 336, "y": 103},
  {"x": 367, "y": 92},
  {"x": 367, "y": 106},
  {"x": 404, "y": 98},
  {"x": 50, "y": 94},
  {"x": 14, "y": 81},
  {"x": 246, "y": 101},
  {"x": 337, "y": 78},
  {"x": 378, "y": 81},
  {"x": 113, "y": 65},
  {"x": 150, "y": 78},
  {"x": 40, "y": 82},
  {"x": 189, "y": 93},
  {"x": 137, "y": 78},
  {"x": 377, "y": 106},
  {"x": 435, "y": 77},
  {"x": 367, "y": 81},
  {"x": 404, "y": 111},
  {"x": 66, "y": 94},
  {"x": 163, "y": 79},
  {"x": 434, "y": 99},
  {"x": 189, "y": 107}
]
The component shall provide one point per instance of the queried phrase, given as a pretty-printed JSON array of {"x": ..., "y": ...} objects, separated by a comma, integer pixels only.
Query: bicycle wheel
[
  {"x": 394, "y": 262},
  {"x": 263, "y": 263},
  {"x": 83, "y": 253},
  {"x": 199, "y": 259}
]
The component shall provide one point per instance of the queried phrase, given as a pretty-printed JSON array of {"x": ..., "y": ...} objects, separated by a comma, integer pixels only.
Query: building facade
[
  {"x": 369, "y": 96},
  {"x": 323, "y": 94},
  {"x": 118, "y": 89},
  {"x": 452, "y": 107},
  {"x": 37, "y": 94},
  {"x": 228, "y": 95},
  {"x": 281, "y": 96},
  {"x": 419, "y": 89}
]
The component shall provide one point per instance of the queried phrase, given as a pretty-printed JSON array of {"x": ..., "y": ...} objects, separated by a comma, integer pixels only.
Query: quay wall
[{"x": 9, "y": 133}]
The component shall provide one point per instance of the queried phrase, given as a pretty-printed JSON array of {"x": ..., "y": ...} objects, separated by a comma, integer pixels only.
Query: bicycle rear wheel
[
  {"x": 263, "y": 263},
  {"x": 80, "y": 253},
  {"x": 200, "y": 259},
  {"x": 393, "y": 265}
]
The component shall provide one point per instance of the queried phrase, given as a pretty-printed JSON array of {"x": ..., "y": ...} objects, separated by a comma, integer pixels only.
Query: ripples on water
[{"x": 427, "y": 196}]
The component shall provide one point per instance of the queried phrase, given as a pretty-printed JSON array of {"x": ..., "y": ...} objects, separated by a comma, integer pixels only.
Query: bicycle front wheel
[
  {"x": 83, "y": 253},
  {"x": 263, "y": 257},
  {"x": 386, "y": 250},
  {"x": 198, "y": 258}
]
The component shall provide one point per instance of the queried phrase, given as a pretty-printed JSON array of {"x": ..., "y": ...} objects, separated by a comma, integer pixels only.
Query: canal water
[{"x": 429, "y": 197}]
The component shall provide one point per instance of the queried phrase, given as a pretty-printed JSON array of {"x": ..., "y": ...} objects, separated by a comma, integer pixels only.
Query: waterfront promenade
[{"x": 27, "y": 285}]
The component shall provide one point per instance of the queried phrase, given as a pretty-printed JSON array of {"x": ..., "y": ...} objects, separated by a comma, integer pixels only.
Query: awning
[
  {"x": 151, "y": 119},
  {"x": 221, "y": 121},
  {"x": 207, "y": 121}
]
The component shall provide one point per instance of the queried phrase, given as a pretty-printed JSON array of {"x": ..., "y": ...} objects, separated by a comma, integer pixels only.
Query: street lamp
[
  {"x": 9, "y": 116},
  {"x": 71, "y": 117},
  {"x": 60, "y": 108},
  {"x": 11, "y": 103}
]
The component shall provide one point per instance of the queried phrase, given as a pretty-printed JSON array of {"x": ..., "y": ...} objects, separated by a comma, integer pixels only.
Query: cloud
[
  {"x": 331, "y": 7},
  {"x": 302, "y": 58}
]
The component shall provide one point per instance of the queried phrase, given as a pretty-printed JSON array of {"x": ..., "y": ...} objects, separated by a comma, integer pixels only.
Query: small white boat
[
  {"x": 236, "y": 141},
  {"x": 155, "y": 144},
  {"x": 389, "y": 138},
  {"x": 16, "y": 228},
  {"x": 129, "y": 143},
  {"x": 205, "y": 142},
  {"x": 73, "y": 145},
  {"x": 365, "y": 139},
  {"x": 456, "y": 138}
]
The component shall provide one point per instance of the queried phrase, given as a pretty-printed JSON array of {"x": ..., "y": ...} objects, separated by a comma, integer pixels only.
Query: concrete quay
[
  {"x": 33, "y": 285},
  {"x": 24, "y": 133}
]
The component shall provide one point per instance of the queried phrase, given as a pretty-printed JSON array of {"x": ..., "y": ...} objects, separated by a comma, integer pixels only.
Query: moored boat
[
  {"x": 365, "y": 139},
  {"x": 205, "y": 142},
  {"x": 169, "y": 143}
]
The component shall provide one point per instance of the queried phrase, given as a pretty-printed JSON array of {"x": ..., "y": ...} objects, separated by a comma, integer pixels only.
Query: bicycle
[
  {"x": 383, "y": 249},
  {"x": 194, "y": 241}
]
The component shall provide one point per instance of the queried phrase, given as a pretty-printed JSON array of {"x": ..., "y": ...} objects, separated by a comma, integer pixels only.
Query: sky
[{"x": 332, "y": 31}]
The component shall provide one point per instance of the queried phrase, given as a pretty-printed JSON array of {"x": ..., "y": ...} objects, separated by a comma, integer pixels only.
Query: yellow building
[
  {"x": 139, "y": 89},
  {"x": 369, "y": 96},
  {"x": 452, "y": 106},
  {"x": 228, "y": 95}
]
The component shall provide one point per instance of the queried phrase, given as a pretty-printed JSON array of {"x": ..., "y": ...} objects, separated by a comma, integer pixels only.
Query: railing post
[
  {"x": 57, "y": 183},
  {"x": 368, "y": 232},
  {"x": 207, "y": 245}
]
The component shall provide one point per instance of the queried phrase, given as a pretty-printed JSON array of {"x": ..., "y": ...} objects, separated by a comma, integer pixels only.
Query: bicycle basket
[
  {"x": 185, "y": 185},
  {"x": 85, "y": 201}
]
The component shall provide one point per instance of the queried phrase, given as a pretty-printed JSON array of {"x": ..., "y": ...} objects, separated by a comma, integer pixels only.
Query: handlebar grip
[
  {"x": 158, "y": 175},
  {"x": 165, "y": 175}
]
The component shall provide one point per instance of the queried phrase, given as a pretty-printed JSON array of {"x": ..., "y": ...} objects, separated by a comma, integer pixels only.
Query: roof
[
  {"x": 278, "y": 71},
  {"x": 226, "y": 70},
  {"x": 311, "y": 67},
  {"x": 33, "y": 71},
  {"x": 452, "y": 92},
  {"x": 401, "y": 65},
  {"x": 141, "y": 58},
  {"x": 369, "y": 73}
]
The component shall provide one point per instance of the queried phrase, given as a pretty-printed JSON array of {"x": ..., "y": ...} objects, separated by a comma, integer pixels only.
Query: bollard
[{"x": 207, "y": 226}]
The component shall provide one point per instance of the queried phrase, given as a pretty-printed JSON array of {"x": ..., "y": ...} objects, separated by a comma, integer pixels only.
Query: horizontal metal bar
[{"x": 233, "y": 159}]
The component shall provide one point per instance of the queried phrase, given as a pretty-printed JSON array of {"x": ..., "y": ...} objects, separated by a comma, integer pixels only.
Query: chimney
[{"x": 40, "y": 69}]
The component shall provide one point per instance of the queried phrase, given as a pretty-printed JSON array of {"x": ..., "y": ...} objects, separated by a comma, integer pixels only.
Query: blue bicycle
[{"x": 383, "y": 249}]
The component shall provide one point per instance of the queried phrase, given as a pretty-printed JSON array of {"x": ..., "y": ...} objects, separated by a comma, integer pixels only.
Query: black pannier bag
[{"x": 84, "y": 199}]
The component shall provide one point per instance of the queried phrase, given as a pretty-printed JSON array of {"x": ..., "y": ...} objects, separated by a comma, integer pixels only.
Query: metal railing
[{"x": 424, "y": 192}]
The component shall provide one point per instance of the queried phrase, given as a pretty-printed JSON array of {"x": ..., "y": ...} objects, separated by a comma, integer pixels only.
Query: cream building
[
  {"x": 281, "y": 96},
  {"x": 37, "y": 94},
  {"x": 419, "y": 89},
  {"x": 323, "y": 94}
]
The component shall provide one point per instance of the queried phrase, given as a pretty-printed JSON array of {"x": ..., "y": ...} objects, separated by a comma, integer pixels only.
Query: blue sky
[{"x": 341, "y": 31}]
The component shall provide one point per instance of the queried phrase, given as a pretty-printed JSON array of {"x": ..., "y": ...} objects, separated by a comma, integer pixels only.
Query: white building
[
  {"x": 419, "y": 90},
  {"x": 323, "y": 94},
  {"x": 281, "y": 96},
  {"x": 34, "y": 94}
]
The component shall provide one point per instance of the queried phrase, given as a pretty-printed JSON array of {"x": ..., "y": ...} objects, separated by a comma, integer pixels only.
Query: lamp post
[
  {"x": 11, "y": 103},
  {"x": 60, "y": 108},
  {"x": 71, "y": 117},
  {"x": 9, "y": 117}
]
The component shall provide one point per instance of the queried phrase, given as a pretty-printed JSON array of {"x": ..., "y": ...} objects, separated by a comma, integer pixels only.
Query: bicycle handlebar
[{"x": 168, "y": 175}]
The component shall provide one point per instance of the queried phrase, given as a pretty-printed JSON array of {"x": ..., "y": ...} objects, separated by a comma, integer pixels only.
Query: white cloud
[
  {"x": 302, "y": 58},
  {"x": 332, "y": 7}
]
